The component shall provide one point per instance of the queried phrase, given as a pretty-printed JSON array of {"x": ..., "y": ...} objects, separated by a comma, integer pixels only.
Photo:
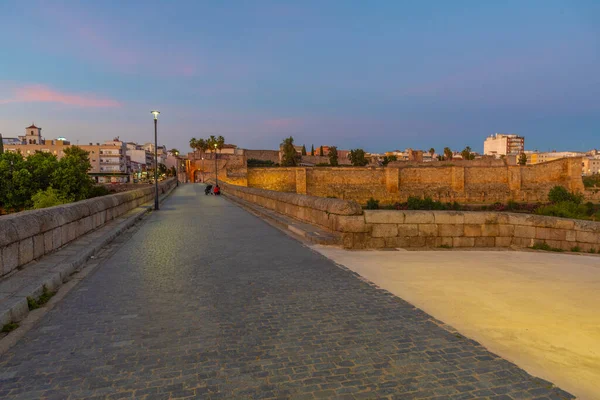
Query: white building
[{"x": 501, "y": 144}]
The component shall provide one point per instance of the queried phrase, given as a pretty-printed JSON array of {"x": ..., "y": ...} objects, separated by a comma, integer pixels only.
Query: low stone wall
[
  {"x": 408, "y": 228},
  {"x": 383, "y": 228},
  {"x": 332, "y": 214},
  {"x": 29, "y": 235}
]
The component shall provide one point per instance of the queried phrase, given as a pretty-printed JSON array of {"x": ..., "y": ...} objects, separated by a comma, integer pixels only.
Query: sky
[{"x": 378, "y": 75}]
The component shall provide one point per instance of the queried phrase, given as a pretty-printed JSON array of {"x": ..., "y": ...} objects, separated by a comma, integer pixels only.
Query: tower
[{"x": 33, "y": 135}]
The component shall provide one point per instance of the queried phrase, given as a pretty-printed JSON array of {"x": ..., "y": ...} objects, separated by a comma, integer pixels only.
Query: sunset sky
[{"x": 380, "y": 75}]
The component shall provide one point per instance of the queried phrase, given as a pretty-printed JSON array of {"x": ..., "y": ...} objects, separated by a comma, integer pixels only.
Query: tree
[
  {"x": 388, "y": 159},
  {"x": 174, "y": 151},
  {"x": 312, "y": 149},
  {"x": 71, "y": 175},
  {"x": 194, "y": 144},
  {"x": 333, "y": 156},
  {"x": 447, "y": 153},
  {"x": 220, "y": 142},
  {"x": 41, "y": 165},
  {"x": 202, "y": 145},
  {"x": 431, "y": 152},
  {"x": 303, "y": 150},
  {"x": 212, "y": 143},
  {"x": 48, "y": 198},
  {"x": 162, "y": 169},
  {"x": 321, "y": 151},
  {"x": 357, "y": 158},
  {"x": 523, "y": 159},
  {"x": 290, "y": 157},
  {"x": 1, "y": 145},
  {"x": 466, "y": 154}
]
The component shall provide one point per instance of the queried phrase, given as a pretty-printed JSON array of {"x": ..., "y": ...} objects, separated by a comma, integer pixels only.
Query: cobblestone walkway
[{"x": 207, "y": 301}]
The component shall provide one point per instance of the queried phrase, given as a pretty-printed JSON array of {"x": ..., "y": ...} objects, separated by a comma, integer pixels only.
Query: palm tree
[
  {"x": 220, "y": 142},
  {"x": 201, "y": 145},
  {"x": 212, "y": 141},
  {"x": 194, "y": 144},
  {"x": 447, "y": 153},
  {"x": 431, "y": 152}
]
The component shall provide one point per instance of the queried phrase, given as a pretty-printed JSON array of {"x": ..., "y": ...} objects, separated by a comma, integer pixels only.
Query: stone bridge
[{"x": 203, "y": 299}]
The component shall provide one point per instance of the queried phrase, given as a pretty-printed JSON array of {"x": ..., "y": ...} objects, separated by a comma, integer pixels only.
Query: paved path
[
  {"x": 207, "y": 301},
  {"x": 537, "y": 309}
]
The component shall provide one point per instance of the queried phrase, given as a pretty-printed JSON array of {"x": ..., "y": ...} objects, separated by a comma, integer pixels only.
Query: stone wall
[
  {"x": 276, "y": 178},
  {"x": 362, "y": 229},
  {"x": 29, "y": 235},
  {"x": 265, "y": 155},
  {"x": 447, "y": 182},
  {"x": 408, "y": 228}
]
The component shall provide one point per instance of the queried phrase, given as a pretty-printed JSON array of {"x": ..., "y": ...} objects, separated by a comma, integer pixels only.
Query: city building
[
  {"x": 541, "y": 157},
  {"x": 501, "y": 144},
  {"x": 591, "y": 166}
]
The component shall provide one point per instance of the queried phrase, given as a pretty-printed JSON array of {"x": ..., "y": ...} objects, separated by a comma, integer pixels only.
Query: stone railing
[
  {"x": 383, "y": 228},
  {"x": 329, "y": 213},
  {"x": 28, "y": 235},
  {"x": 409, "y": 228}
]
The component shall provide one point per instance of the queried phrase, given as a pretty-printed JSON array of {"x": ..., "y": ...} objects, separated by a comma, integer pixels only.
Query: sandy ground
[{"x": 538, "y": 310}]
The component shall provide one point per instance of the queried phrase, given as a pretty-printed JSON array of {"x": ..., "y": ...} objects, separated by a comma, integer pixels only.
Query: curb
[{"x": 16, "y": 307}]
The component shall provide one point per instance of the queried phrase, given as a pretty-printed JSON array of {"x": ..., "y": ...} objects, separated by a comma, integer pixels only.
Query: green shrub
[
  {"x": 98, "y": 190},
  {"x": 564, "y": 209},
  {"x": 416, "y": 203},
  {"x": 576, "y": 249},
  {"x": 32, "y": 303},
  {"x": 545, "y": 246},
  {"x": 592, "y": 250},
  {"x": 254, "y": 162},
  {"x": 48, "y": 198},
  {"x": 591, "y": 181},
  {"x": 372, "y": 204},
  {"x": 11, "y": 326},
  {"x": 559, "y": 194}
]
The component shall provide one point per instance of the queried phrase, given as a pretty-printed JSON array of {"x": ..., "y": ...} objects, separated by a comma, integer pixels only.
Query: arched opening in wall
[{"x": 198, "y": 176}]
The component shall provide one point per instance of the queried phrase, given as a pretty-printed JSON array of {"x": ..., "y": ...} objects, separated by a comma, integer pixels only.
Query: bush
[
  {"x": 564, "y": 209},
  {"x": 372, "y": 204},
  {"x": 48, "y": 198},
  {"x": 416, "y": 203},
  {"x": 253, "y": 162},
  {"x": 98, "y": 190},
  {"x": 591, "y": 181},
  {"x": 559, "y": 194}
]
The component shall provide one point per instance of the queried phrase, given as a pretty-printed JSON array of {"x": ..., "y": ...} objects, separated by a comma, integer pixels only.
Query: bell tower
[{"x": 33, "y": 135}]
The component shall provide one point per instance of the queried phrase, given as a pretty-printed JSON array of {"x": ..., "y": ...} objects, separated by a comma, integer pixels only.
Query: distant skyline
[{"x": 379, "y": 75}]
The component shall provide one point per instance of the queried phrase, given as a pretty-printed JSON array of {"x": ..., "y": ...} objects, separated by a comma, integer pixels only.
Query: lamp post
[
  {"x": 155, "y": 113},
  {"x": 216, "y": 172},
  {"x": 177, "y": 169},
  {"x": 202, "y": 172}
]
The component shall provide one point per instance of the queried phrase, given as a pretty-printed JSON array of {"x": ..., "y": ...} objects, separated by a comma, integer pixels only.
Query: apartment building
[{"x": 501, "y": 144}]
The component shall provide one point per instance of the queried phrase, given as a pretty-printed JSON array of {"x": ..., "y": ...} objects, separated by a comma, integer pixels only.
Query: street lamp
[
  {"x": 177, "y": 169},
  {"x": 216, "y": 174},
  {"x": 155, "y": 113},
  {"x": 202, "y": 175}
]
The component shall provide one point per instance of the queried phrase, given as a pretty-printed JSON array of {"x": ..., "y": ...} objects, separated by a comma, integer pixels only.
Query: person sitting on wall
[{"x": 217, "y": 190}]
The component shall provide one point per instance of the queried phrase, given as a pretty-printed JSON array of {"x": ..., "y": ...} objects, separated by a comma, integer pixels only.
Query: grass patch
[
  {"x": 444, "y": 246},
  {"x": 46, "y": 295},
  {"x": 546, "y": 247},
  {"x": 592, "y": 251},
  {"x": 11, "y": 326},
  {"x": 576, "y": 249}
]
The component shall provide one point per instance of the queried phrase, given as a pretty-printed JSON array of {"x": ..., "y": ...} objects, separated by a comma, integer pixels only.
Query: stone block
[
  {"x": 430, "y": 241},
  {"x": 587, "y": 237},
  {"x": 375, "y": 243},
  {"x": 485, "y": 241},
  {"x": 463, "y": 242},
  {"x": 490, "y": 230},
  {"x": 418, "y": 217},
  {"x": 384, "y": 230},
  {"x": 359, "y": 240},
  {"x": 48, "y": 246},
  {"x": 408, "y": 230},
  {"x": 38, "y": 246},
  {"x": 524, "y": 242},
  {"x": 417, "y": 241},
  {"x": 443, "y": 241},
  {"x": 571, "y": 235},
  {"x": 428, "y": 229},
  {"x": 397, "y": 242},
  {"x": 347, "y": 240},
  {"x": 384, "y": 217},
  {"x": 351, "y": 223},
  {"x": 57, "y": 238},
  {"x": 589, "y": 226},
  {"x": 8, "y": 232},
  {"x": 449, "y": 217},
  {"x": 25, "y": 251},
  {"x": 523, "y": 231},
  {"x": 520, "y": 219},
  {"x": 501, "y": 241},
  {"x": 480, "y": 218},
  {"x": 450, "y": 230},
  {"x": 506, "y": 230},
  {"x": 550, "y": 234},
  {"x": 10, "y": 257},
  {"x": 472, "y": 230}
]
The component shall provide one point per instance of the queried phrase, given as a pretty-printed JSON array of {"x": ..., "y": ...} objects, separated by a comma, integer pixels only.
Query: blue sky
[{"x": 379, "y": 75}]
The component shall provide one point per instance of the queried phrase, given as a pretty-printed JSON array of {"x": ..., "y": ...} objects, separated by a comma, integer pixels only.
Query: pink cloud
[
  {"x": 283, "y": 123},
  {"x": 42, "y": 93}
]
